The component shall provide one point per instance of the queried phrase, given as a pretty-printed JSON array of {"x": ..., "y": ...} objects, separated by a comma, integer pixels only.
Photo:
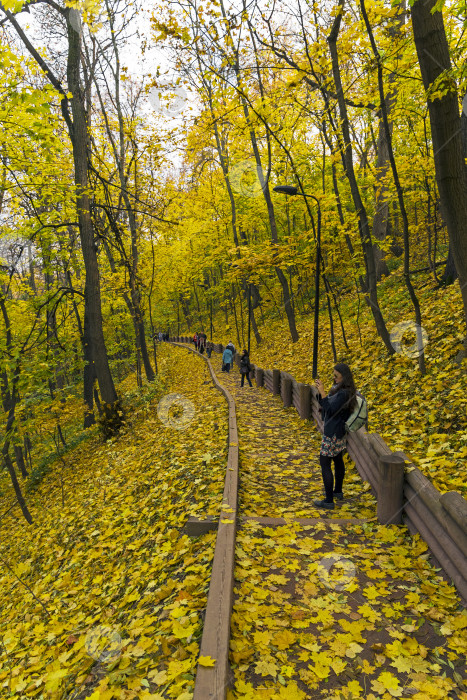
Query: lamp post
[
  {"x": 249, "y": 314},
  {"x": 289, "y": 189}
]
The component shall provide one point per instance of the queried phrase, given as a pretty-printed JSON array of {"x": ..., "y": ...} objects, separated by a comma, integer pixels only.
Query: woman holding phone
[{"x": 337, "y": 406}]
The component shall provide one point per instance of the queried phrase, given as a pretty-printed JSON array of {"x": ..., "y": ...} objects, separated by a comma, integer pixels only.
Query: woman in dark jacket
[
  {"x": 245, "y": 367},
  {"x": 337, "y": 407}
]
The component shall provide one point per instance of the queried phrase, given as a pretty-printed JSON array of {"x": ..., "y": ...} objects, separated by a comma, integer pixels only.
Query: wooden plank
[
  {"x": 437, "y": 531},
  {"x": 363, "y": 462},
  {"x": 195, "y": 527},
  {"x": 437, "y": 550},
  {"x": 212, "y": 683},
  {"x": 456, "y": 506},
  {"x": 362, "y": 468},
  {"x": 276, "y": 381},
  {"x": 419, "y": 487},
  {"x": 267, "y": 379},
  {"x": 277, "y": 522}
]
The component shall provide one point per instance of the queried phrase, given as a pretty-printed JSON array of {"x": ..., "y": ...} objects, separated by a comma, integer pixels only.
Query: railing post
[
  {"x": 286, "y": 391},
  {"x": 305, "y": 401},
  {"x": 390, "y": 489},
  {"x": 259, "y": 376},
  {"x": 276, "y": 381}
]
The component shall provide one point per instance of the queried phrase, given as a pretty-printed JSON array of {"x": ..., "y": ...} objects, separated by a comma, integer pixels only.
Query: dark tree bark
[
  {"x": 78, "y": 132},
  {"x": 382, "y": 229},
  {"x": 20, "y": 463},
  {"x": 400, "y": 194},
  {"x": 120, "y": 146},
  {"x": 92, "y": 292},
  {"x": 449, "y": 273},
  {"x": 446, "y": 132},
  {"x": 9, "y": 397}
]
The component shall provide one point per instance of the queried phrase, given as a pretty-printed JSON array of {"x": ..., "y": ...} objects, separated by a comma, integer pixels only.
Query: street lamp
[
  {"x": 291, "y": 190},
  {"x": 249, "y": 314}
]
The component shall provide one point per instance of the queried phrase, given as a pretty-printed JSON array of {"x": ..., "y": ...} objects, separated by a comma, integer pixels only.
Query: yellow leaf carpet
[
  {"x": 330, "y": 610},
  {"x": 104, "y": 596}
]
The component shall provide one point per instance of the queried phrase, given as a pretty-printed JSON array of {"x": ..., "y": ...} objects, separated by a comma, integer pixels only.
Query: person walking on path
[
  {"x": 337, "y": 406},
  {"x": 245, "y": 368},
  {"x": 231, "y": 346},
  {"x": 227, "y": 357},
  {"x": 209, "y": 349},
  {"x": 202, "y": 341}
]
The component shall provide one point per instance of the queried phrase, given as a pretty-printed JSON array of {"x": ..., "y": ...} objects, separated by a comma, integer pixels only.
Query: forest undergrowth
[
  {"x": 423, "y": 416},
  {"x": 103, "y": 595}
]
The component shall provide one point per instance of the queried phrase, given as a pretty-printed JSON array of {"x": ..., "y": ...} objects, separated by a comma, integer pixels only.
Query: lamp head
[{"x": 285, "y": 189}]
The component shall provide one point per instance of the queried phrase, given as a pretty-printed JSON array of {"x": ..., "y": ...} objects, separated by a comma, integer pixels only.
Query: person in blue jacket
[
  {"x": 227, "y": 357},
  {"x": 337, "y": 406}
]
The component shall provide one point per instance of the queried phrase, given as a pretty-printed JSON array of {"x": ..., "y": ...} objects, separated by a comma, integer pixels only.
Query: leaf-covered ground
[
  {"x": 103, "y": 596},
  {"x": 424, "y": 416},
  {"x": 330, "y": 610}
]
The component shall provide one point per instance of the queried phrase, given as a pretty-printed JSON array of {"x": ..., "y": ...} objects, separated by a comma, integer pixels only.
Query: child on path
[
  {"x": 245, "y": 368},
  {"x": 227, "y": 357},
  {"x": 337, "y": 406}
]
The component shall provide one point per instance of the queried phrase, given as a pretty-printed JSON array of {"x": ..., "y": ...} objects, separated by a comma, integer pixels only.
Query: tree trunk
[
  {"x": 382, "y": 221},
  {"x": 141, "y": 335},
  {"x": 89, "y": 374},
  {"x": 450, "y": 273},
  {"x": 400, "y": 193},
  {"x": 20, "y": 460},
  {"x": 446, "y": 132},
  {"x": 92, "y": 292},
  {"x": 365, "y": 236},
  {"x": 14, "y": 480}
]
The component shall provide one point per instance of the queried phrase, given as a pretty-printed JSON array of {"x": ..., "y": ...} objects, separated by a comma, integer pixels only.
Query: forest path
[
  {"x": 280, "y": 475},
  {"x": 328, "y": 609}
]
